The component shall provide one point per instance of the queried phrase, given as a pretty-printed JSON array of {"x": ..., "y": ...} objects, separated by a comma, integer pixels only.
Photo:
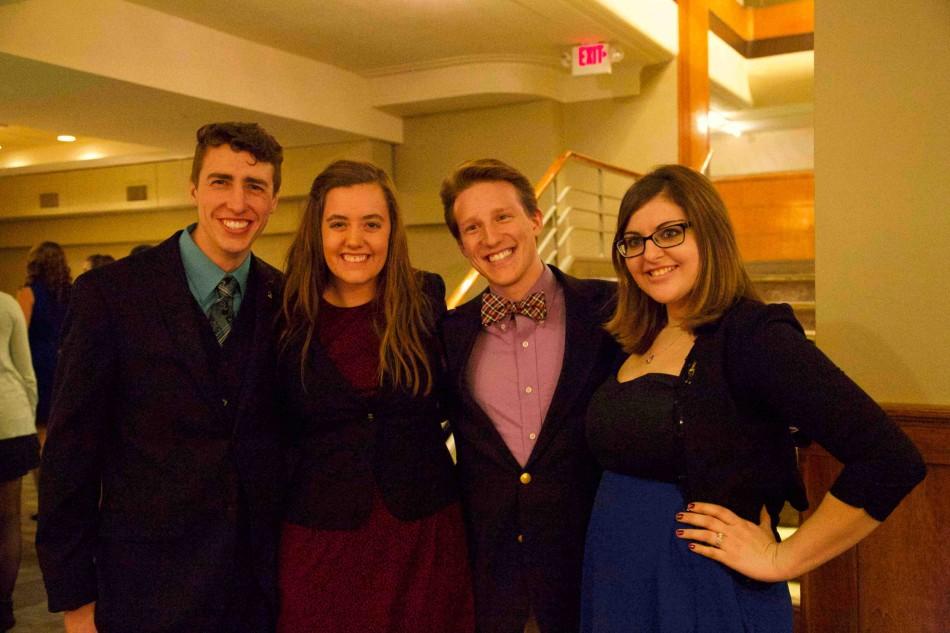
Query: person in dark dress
[
  {"x": 373, "y": 540},
  {"x": 693, "y": 431},
  {"x": 44, "y": 298}
]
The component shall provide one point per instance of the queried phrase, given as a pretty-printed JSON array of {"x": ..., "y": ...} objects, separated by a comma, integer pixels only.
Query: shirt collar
[
  {"x": 546, "y": 282},
  {"x": 203, "y": 274}
]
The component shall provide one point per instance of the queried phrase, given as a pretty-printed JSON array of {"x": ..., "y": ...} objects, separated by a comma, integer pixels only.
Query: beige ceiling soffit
[
  {"x": 80, "y": 155},
  {"x": 728, "y": 73},
  {"x": 131, "y": 43},
  {"x": 478, "y": 84},
  {"x": 647, "y": 27},
  {"x": 788, "y": 27}
]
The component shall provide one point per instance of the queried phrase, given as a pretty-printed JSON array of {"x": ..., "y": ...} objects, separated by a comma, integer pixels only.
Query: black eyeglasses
[{"x": 631, "y": 244}]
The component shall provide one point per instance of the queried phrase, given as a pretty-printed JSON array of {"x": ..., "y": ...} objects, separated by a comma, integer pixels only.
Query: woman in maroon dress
[{"x": 372, "y": 540}]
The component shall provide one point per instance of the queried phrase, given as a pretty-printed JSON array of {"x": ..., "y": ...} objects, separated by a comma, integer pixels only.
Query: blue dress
[
  {"x": 638, "y": 576},
  {"x": 46, "y": 322}
]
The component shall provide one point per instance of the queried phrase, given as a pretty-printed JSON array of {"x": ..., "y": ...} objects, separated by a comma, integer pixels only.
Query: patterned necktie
[
  {"x": 221, "y": 314},
  {"x": 495, "y": 308}
]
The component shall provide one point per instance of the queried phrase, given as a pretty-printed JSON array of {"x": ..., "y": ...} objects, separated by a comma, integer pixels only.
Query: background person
[
  {"x": 96, "y": 260},
  {"x": 692, "y": 428},
  {"x": 44, "y": 299},
  {"x": 373, "y": 539},
  {"x": 19, "y": 449}
]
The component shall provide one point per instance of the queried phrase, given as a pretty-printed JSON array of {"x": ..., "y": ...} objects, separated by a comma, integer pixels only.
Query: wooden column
[{"x": 693, "y": 81}]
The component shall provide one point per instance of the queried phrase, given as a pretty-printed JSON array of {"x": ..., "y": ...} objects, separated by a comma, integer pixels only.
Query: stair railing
[{"x": 560, "y": 215}]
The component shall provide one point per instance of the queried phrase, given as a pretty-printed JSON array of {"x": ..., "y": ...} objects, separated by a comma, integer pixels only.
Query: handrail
[{"x": 547, "y": 180}]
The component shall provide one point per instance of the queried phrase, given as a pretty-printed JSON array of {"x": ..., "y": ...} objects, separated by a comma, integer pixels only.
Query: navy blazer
[
  {"x": 186, "y": 477},
  {"x": 527, "y": 539},
  {"x": 750, "y": 376},
  {"x": 347, "y": 446}
]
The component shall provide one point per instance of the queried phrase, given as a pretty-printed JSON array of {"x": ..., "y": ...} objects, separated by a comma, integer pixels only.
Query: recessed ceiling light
[{"x": 65, "y": 138}]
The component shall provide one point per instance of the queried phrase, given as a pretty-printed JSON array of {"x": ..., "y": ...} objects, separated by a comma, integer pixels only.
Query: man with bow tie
[
  {"x": 160, "y": 487},
  {"x": 524, "y": 359}
]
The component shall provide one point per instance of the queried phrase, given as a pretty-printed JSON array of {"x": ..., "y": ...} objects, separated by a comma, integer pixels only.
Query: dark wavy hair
[
  {"x": 241, "y": 137},
  {"x": 403, "y": 359},
  {"x": 46, "y": 263},
  {"x": 722, "y": 279}
]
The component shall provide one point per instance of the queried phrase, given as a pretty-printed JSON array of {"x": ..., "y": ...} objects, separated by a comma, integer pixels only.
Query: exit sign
[{"x": 590, "y": 59}]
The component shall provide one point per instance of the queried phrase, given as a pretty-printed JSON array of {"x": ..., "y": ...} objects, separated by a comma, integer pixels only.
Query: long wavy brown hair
[
  {"x": 722, "y": 278},
  {"x": 403, "y": 360},
  {"x": 46, "y": 263}
]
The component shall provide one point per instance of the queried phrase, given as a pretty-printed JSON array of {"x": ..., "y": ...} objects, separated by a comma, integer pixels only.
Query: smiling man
[
  {"x": 524, "y": 358},
  {"x": 161, "y": 477}
]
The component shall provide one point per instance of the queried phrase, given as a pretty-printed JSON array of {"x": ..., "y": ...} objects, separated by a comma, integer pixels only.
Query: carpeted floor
[{"x": 29, "y": 597}]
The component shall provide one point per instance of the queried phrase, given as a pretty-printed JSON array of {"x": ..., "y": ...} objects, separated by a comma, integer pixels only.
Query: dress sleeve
[
  {"x": 20, "y": 355},
  {"x": 71, "y": 472},
  {"x": 795, "y": 381}
]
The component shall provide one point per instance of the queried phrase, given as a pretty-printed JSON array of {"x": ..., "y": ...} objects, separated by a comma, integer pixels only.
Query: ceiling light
[{"x": 65, "y": 138}]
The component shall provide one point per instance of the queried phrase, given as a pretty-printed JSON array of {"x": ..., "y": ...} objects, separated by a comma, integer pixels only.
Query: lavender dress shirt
[{"x": 514, "y": 368}]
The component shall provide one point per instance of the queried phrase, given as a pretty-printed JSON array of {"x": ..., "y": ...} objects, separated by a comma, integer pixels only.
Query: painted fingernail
[
  {"x": 690, "y": 506},
  {"x": 679, "y": 516},
  {"x": 679, "y": 532},
  {"x": 692, "y": 546}
]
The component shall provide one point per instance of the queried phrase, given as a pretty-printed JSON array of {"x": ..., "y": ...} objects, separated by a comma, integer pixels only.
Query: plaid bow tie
[{"x": 495, "y": 308}]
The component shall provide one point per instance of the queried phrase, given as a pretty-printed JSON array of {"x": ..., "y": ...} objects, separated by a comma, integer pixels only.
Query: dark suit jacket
[
  {"x": 527, "y": 540},
  {"x": 187, "y": 478},
  {"x": 346, "y": 446}
]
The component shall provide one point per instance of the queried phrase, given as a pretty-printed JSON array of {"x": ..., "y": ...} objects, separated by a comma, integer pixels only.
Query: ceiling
[{"x": 133, "y": 79}]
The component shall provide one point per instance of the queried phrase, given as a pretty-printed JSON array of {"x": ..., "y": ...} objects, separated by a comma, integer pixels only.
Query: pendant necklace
[{"x": 652, "y": 355}]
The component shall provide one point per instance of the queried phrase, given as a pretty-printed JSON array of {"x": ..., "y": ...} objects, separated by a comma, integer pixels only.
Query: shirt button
[
  {"x": 521, "y": 538},
  {"x": 528, "y": 389},
  {"x": 503, "y": 327},
  {"x": 524, "y": 344},
  {"x": 525, "y": 478},
  {"x": 532, "y": 436}
]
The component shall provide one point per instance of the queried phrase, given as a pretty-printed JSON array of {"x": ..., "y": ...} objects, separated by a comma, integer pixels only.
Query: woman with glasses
[
  {"x": 372, "y": 539},
  {"x": 692, "y": 429}
]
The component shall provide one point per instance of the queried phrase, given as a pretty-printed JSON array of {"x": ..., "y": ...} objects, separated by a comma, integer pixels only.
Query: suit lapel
[
  {"x": 263, "y": 292},
  {"x": 581, "y": 346},
  {"x": 459, "y": 350},
  {"x": 176, "y": 306}
]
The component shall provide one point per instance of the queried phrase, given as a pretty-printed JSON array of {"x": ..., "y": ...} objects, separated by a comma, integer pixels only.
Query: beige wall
[
  {"x": 882, "y": 194},
  {"x": 635, "y": 132}
]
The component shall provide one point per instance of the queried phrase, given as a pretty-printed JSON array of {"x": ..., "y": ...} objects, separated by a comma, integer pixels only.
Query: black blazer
[
  {"x": 527, "y": 539},
  {"x": 347, "y": 447},
  {"x": 186, "y": 477},
  {"x": 749, "y": 377}
]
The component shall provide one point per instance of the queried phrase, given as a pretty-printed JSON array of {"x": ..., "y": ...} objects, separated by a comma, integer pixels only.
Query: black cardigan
[
  {"x": 752, "y": 375},
  {"x": 345, "y": 447}
]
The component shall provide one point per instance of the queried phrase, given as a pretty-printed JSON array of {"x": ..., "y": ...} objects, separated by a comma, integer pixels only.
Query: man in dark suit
[
  {"x": 160, "y": 482},
  {"x": 524, "y": 357}
]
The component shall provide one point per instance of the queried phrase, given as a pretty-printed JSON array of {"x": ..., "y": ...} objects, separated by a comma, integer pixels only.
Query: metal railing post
[{"x": 600, "y": 211}]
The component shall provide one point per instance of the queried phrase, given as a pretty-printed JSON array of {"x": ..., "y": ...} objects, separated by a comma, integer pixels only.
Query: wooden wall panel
[
  {"x": 773, "y": 214},
  {"x": 897, "y": 579}
]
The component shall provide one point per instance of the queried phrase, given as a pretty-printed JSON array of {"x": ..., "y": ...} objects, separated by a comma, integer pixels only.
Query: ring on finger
[{"x": 719, "y": 537}]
